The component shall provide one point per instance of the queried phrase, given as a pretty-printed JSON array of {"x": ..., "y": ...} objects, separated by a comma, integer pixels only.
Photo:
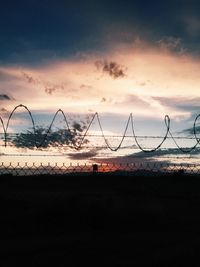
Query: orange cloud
[{"x": 78, "y": 86}]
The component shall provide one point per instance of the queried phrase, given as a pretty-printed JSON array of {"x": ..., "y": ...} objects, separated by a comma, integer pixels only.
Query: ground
[{"x": 99, "y": 219}]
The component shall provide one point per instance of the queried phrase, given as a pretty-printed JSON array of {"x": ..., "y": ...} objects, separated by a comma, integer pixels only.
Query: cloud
[
  {"x": 165, "y": 152},
  {"x": 159, "y": 153},
  {"x": 190, "y": 131},
  {"x": 49, "y": 87},
  {"x": 78, "y": 127},
  {"x": 104, "y": 20},
  {"x": 181, "y": 103},
  {"x": 172, "y": 44},
  {"x": 85, "y": 86},
  {"x": 3, "y": 110},
  {"x": 192, "y": 23},
  {"x": 5, "y": 97},
  {"x": 30, "y": 79},
  {"x": 136, "y": 163},
  {"x": 111, "y": 68},
  {"x": 5, "y": 76},
  {"x": 83, "y": 155},
  {"x": 137, "y": 101},
  {"x": 52, "y": 89},
  {"x": 103, "y": 100},
  {"x": 75, "y": 85},
  {"x": 142, "y": 83},
  {"x": 149, "y": 104},
  {"x": 157, "y": 160},
  {"x": 4, "y": 113}
]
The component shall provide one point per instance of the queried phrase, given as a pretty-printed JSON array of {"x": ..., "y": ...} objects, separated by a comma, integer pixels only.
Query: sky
[{"x": 110, "y": 57}]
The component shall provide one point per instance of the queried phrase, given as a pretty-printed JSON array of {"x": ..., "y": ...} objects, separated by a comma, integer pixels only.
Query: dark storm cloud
[
  {"x": 113, "y": 69},
  {"x": 5, "y": 97},
  {"x": 34, "y": 30}
]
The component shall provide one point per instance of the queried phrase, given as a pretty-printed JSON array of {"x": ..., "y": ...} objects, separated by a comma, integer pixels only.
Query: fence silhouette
[{"x": 135, "y": 169}]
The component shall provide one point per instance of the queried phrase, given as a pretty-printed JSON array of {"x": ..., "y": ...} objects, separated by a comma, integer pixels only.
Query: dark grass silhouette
[{"x": 99, "y": 219}]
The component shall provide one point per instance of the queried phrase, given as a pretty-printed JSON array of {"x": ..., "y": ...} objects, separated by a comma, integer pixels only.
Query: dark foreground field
[{"x": 100, "y": 219}]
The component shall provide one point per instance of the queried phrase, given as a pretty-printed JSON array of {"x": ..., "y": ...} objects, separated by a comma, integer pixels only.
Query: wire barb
[{"x": 130, "y": 121}]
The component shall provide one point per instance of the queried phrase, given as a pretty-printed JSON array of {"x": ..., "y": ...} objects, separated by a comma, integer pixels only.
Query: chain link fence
[{"x": 146, "y": 169}]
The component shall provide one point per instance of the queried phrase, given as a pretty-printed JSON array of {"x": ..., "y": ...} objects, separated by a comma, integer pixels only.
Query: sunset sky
[{"x": 111, "y": 57}]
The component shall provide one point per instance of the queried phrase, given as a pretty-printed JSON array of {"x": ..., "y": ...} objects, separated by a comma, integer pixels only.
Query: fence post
[{"x": 95, "y": 168}]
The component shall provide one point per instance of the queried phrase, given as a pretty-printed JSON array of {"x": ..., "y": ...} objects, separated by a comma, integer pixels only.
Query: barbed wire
[
  {"x": 127, "y": 136},
  {"x": 130, "y": 122}
]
